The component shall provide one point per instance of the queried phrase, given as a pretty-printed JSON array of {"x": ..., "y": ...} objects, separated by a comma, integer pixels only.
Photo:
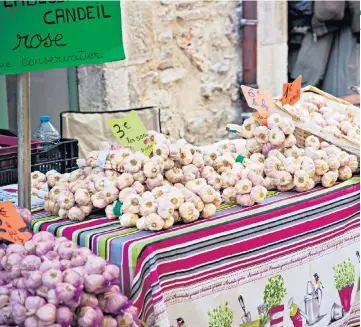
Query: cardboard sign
[
  {"x": 130, "y": 131},
  {"x": 261, "y": 100},
  {"x": 292, "y": 91},
  {"x": 41, "y": 35},
  {"x": 11, "y": 222}
]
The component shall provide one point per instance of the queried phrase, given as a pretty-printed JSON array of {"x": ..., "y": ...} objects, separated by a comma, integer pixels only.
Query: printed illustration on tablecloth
[
  {"x": 273, "y": 296},
  {"x": 220, "y": 316},
  {"x": 180, "y": 323},
  {"x": 344, "y": 279},
  {"x": 312, "y": 305}
]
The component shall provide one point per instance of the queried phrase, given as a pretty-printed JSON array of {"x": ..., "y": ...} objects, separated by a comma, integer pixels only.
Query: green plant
[
  {"x": 220, "y": 317},
  {"x": 264, "y": 318},
  {"x": 274, "y": 291},
  {"x": 344, "y": 274}
]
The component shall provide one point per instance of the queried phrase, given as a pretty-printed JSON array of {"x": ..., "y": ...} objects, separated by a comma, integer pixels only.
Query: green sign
[
  {"x": 41, "y": 35},
  {"x": 130, "y": 131}
]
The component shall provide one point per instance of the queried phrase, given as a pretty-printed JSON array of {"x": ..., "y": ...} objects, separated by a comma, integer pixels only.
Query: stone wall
[{"x": 182, "y": 56}]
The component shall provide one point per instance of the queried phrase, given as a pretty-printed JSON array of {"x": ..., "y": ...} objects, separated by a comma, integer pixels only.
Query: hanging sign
[
  {"x": 11, "y": 222},
  {"x": 292, "y": 91},
  {"x": 130, "y": 131},
  {"x": 261, "y": 100},
  {"x": 41, "y": 35}
]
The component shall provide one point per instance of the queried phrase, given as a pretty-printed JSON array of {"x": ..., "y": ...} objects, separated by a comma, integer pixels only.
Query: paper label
[
  {"x": 11, "y": 222},
  {"x": 102, "y": 157},
  {"x": 130, "y": 131},
  {"x": 292, "y": 91},
  {"x": 259, "y": 99}
]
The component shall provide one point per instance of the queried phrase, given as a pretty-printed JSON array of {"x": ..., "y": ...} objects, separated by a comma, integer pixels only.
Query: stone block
[
  {"x": 165, "y": 37},
  {"x": 172, "y": 75}
]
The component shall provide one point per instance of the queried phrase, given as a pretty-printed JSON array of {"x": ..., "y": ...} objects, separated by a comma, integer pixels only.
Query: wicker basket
[{"x": 304, "y": 130}]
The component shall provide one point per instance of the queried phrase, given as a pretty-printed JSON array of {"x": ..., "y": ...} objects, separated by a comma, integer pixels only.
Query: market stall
[{"x": 191, "y": 270}]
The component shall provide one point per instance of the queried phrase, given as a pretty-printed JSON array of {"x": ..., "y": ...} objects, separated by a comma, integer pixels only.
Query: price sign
[
  {"x": 259, "y": 99},
  {"x": 292, "y": 91},
  {"x": 11, "y": 222},
  {"x": 130, "y": 131}
]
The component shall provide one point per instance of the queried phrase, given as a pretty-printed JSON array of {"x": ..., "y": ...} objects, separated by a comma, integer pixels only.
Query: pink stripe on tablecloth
[{"x": 70, "y": 229}]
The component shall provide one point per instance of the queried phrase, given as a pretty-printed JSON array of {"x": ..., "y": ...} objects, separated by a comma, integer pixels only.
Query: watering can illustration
[{"x": 312, "y": 301}]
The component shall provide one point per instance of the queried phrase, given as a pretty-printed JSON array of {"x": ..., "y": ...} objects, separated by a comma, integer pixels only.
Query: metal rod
[{"x": 24, "y": 158}]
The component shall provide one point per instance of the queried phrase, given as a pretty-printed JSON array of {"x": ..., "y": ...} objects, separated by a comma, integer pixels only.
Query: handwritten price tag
[
  {"x": 259, "y": 99},
  {"x": 292, "y": 91},
  {"x": 130, "y": 131},
  {"x": 11, "y": 222}
]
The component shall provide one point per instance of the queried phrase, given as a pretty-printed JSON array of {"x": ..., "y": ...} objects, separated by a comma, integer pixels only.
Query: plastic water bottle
[{"x": 46, "y": 132}]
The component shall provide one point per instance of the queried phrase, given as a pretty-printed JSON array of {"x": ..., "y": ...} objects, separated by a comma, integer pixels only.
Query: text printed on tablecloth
[
  {"x": 292, "y": 91},
  {"x": 130, "y": 131},
  {"x": 261, "y": 100},
  {"x": 11, "y": 222},
  {"x": 40, "y": 35}
]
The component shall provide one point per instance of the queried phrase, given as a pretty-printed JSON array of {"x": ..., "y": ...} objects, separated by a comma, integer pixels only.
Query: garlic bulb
[
  {"x": 313, "y": 142},
  {"x": 353, "y": 163},
  {"x": 66, "y": 200},
  {"x": 76, "y": 213},
  {"x": 168, "y": 222},
  {"x": 154, "y": 222},
  {"x": 209, "y": 210},
  {"x": 154, "y": 182},
  {"x": 301, "y": 178},
  {"x": 132, "y": 203},
  {"x": 222, "y": 164},
  {"x": 247, "y": 129},
  {"x": 207, "y": 194},
  {"x": 196, "y": 185},
  {"x": 124, "y": 193},
  {"x": 185, "y": 157},
  {"x": 210, "y": 157},
  {"x": 165, "y": 208},
  {"x": 229, "y": 195},
  {"x": 139, "y": 187},
  {"x": 216, "y": 181},
  {"x": 139, "y": 177},
  {"x": 174, "y": 175},
  {"x": 285, "y": 188},
  {"x": 268, "y": 183},
  {"x": 345, "y": 173},
  {"x": 286, "y": 125},
  {"x": 188, "y": 212},
  {"x": 245, "y": 200},
  {"x": 124, "y": 180},
  {"x": 273, "y": 121},
  {"x": 333, "y": 163},
  {"x": 161, "y": 150},
  {"x": 174, "y": 152},
  {"x": 151, "y": 170},
  {"x": 321, "y": 167},
  {"x": 329, "y": 179},
  {"x": 272, "y": 165},
  {"x": 128, "y": 219},
  {"x": 131, "y": 164},
  {"x": 290, "y": 141},
  {"x": 343, "y": 158},
  {"x": 141, "y": 224},
  {"x": 258, "y": 193},
  {"x": 261, "y": 134},
  {"x": 158, "y": 161},
  {"x": 282, "y": 178},
  {"x": 109, "y": 211},
  {"x": 308, "y": 166},
  {"x": 243, "y": 186},
  {"x": 176, "y": 198},
  {"x": 291, "y": 165},
  {"x": 253, "y": 146}
]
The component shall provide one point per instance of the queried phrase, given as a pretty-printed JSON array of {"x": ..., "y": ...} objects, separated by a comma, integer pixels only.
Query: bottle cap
[{"x": 44, "y": 118}]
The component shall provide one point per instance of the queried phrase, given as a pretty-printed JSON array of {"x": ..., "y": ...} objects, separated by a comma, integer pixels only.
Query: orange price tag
[
  {"x": 11, "y": 222},
  {"x": 292, "y": 91},
  {"x": 261, "y": 119}
]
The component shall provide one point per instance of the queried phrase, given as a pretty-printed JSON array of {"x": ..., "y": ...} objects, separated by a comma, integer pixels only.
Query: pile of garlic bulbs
[
  {"x": 284, "y": 166},
  {"x": 166, "y": 205},
  {"x": 340, "y": 120},
  {"x": 65, "y": 195}
]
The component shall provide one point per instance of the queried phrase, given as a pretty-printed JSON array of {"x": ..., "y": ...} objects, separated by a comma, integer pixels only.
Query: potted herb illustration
[
  {"x": 264, "y": 320},
  {"x": 344, "y": 277},
  {"x": 273, "y": 296},
  {"x": 220, "y": 317}
]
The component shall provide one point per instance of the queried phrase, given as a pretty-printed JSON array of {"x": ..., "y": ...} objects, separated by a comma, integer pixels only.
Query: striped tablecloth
[{"x": 193, "y": 274}]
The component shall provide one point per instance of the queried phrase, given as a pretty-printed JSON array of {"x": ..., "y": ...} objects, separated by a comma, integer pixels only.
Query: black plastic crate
[{"x": 60, "y": 157}]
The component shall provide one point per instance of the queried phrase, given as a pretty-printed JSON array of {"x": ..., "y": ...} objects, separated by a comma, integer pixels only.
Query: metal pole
[{"x": 24, "y": 158}]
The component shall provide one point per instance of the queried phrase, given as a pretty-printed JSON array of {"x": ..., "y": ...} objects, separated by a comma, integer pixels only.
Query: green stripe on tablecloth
[
  {"x": 103, "y": 241},
  {"x": 36, "y": 227},
  {"x": 136, "y": 247}
]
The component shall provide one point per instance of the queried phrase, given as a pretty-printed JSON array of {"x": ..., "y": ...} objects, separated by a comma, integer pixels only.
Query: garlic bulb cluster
[
  {"x": 340, "y": 119},
  {"x": 53, "y": 282},
  {"x": 66, "y": 195},
  {"x": 166, "y": 205},
  {"x": 302, "y": 169}
]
